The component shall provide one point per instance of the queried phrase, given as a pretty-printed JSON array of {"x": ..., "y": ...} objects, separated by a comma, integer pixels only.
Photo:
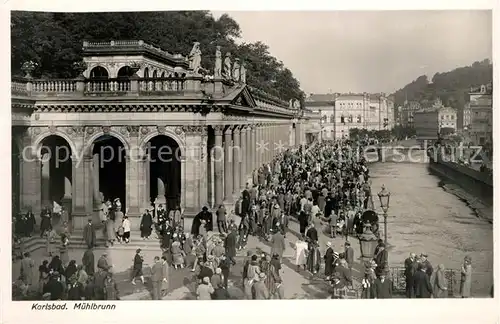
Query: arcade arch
[
  {"x": 99, "y": 73},
  {"x": 108, "y": 170},
  {"x": 164, "y": 171},
  {"x": 56, "y": 171}
]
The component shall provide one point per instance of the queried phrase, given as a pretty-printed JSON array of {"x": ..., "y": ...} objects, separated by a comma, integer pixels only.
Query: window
[
  {"x": 332, "y": 119},
  {"x": 342, "y": 120},
  {"x": 359, "y": 119},
  {"x": 350, "y": 118},
  {"x": 452, "y": 117}
]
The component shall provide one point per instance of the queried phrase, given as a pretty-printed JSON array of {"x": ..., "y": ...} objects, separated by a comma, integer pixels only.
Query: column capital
[
  {"x": 218, "y": 129},
  {"x": 236, "y": 129},
  {"x": 229, "y": 130}
]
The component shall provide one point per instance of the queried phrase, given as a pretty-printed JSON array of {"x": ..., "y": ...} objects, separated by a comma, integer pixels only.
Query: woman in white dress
[{"x": 301, "y": 254}]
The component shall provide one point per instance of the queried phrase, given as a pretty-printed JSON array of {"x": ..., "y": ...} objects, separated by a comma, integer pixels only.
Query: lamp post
[{"x": 384, "y": 196}]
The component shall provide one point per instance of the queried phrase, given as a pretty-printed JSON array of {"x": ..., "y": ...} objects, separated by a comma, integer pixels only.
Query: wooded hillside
[
  {"x": 451, "y": 87},
  {"x": 54, "y": 42}
]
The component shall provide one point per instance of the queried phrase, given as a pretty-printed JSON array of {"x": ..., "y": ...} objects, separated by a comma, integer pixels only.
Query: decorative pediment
[{"x": 244, "y": 98}]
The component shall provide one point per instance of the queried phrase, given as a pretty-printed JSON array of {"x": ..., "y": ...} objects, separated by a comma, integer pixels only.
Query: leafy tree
[
  {"x": 451, "y": 87},
  {"x": 54, "y": 42}
]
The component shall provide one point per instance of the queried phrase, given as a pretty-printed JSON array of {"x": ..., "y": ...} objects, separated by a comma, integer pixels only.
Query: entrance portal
[
  {"x": 56, "y": 173},
  {"x": 109, "y": 170},
  {"x": 164, "y": 171}
]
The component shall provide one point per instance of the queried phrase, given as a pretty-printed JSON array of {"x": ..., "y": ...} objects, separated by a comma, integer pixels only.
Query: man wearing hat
[
  {"x": 383, "y": 286},
  {"x": 349, "y": 254},
  {"x": 146, "y": 224},
  {"x": 382, "y": 257},
  {"x": 421, "y": 283},
  {"x": 157, "y": 277},
  {"x": 89, "y": 234},
  {"x": 410, "y": 269},
  {"x": 426, "y": 263},
  {"x": 329, "y": 259},
  {"x": 221, "y": 219}
]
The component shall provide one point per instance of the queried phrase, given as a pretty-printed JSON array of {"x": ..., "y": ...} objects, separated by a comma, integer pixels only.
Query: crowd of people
[{"x": 326, "y": 189}]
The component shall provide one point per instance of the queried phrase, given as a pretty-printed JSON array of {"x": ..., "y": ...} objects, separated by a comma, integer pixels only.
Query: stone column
[
  {"x": 272, "y": 145},
  {"x": 31, "y": 184},
  {"x": 46, "y": 180},
  {"x": 228, "y": 164},
  {"x": 298, "y": 137},
  {"x": 268, "y": 142},
  {"x": 258, "y": 149},
  {"x": 145, "y": 191},
  {"x": 253, "y": 148},
  {"x": 249, "y": 154},
  {"x": 95, "y": 180},
  {"x": 218, "y": 151},
  {"x": 243, "y": 151},
  {"x": 236, "y": 160},
  {"x": 83, "y": 192}
]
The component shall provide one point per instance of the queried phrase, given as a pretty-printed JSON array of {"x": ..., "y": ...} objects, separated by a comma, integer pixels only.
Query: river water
[{"x": 425, "y": 218}]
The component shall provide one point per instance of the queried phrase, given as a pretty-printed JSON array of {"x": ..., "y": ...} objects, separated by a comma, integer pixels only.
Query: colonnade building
[{"x": 142, "y": 125}]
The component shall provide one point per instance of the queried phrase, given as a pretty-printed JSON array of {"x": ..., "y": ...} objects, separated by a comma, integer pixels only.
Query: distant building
[
  {"x": 481, "y": 110},
  {"x": 429, "y": 122},
  {"x": 407, "y": 112},
  {"x": 342, "y": 112},
  {"x": 464, "y": 117},
  {"x": 324, "y": 104},
  {"x": 447, "y": 118}
]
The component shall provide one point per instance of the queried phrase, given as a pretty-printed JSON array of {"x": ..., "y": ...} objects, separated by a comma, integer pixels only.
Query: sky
[{"x": 368, "y": 51}]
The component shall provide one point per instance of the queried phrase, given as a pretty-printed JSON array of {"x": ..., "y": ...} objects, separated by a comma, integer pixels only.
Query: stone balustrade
[
  {"x": 58, "y": 86},
  {"x": 83, "y": 87},
  {"x": 18, "y": 87},
  {"x": 171, "y": 85}
]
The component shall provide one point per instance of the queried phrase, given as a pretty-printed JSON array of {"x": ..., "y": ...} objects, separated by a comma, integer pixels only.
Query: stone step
[{"x": 77, "y": 242}]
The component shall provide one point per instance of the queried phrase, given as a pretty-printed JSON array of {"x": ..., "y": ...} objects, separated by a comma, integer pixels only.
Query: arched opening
[
  {"x": 146, "y": 73},
  {"x": 108, "y": 171},
  {"x": 99, "y": 73},
  {"x": 56, "y": 174},
  {"x": 16, "y": 179},
  {"x": 164, "y": 171},
  {"x": 155, "y": 74},
  {"x": 163, "y": 74},
  {"x": 125, "y": 72}
]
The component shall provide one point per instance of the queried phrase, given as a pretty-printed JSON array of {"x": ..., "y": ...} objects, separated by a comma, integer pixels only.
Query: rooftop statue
[
  {"x": 195, "y": 58},
  {"x": 236, "y": 70},
  {"x": 227, "y": 66},
  {"x": 243, "y": 73},
  {"x": 218, "y": 63}
]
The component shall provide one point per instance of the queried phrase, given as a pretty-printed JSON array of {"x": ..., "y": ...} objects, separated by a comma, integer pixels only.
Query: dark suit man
[
  {"x": 410, "y": 269},
  {"x": 382, "y": 258},
  {"x": 349, "y": 254},
  {"x": 157, "y": 276},
  {"x": 427, "y": 264},
  {"x": 230, "y": 246},
  {"x": 382, "y": 288},
  {"x": 421, "y": 283}
]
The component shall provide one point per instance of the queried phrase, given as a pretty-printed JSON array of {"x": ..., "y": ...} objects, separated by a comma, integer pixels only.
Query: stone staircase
[{"x": 77, "y": 242}]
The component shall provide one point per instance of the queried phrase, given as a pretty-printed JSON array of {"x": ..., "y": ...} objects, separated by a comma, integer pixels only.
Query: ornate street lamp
[
  {"x": 367, "y": 242},
  {"x": 384, "y": 196}
]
